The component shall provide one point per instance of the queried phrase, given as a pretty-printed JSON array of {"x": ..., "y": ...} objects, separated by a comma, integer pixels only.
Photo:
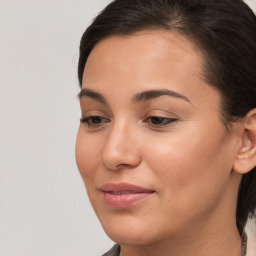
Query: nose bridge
[{"x": 120, "y": 148}]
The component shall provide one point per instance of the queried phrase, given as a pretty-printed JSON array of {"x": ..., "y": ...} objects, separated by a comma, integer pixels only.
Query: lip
[{"x": 123, "y": 195}]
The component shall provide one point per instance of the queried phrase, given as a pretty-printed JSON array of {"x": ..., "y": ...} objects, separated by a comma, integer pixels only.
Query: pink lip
[{"x": 123, "y": 195}]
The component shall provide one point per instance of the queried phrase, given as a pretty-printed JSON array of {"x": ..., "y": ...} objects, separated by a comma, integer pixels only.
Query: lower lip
[{"x": 124, "y": 200}]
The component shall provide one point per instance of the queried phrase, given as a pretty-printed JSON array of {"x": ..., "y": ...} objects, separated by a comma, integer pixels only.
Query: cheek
[
  {"x": 87, "y": 157},
  {"x": 191, "y": 163}
]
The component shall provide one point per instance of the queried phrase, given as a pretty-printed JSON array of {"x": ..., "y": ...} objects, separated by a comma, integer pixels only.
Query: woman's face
[{"x": 154, "y": 155}]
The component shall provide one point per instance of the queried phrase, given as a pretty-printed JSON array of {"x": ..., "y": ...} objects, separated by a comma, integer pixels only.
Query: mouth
[
  {"x": 123, "y": 195},
  {"x": 122, "y": 192}
]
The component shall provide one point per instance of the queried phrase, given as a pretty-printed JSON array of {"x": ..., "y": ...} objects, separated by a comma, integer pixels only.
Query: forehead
[
  {"x": 146, "y": 60},
  {"x": 145, "y": 47}
]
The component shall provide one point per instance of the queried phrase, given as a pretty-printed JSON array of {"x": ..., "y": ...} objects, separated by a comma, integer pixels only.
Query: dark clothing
[{"x": 115, "y": 251}]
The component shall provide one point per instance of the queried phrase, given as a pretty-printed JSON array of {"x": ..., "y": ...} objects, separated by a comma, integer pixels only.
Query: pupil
[
  {"x": 157, "y": 120},
  {"x": 96, "y": 120}
]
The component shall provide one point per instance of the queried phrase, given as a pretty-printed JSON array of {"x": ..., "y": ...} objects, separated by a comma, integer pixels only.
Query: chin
[
  {"x": 132, "y": 232},
  {"x": 131, "y": 237}
]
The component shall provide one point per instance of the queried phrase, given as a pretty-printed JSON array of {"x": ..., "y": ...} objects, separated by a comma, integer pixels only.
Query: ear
[{"x": 245, "y": 159}]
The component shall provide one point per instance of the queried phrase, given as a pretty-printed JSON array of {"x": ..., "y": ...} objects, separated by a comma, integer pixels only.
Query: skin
[{"x": 188, "y": 162}]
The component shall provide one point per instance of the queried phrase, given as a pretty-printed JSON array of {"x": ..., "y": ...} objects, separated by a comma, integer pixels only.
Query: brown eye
[
  {"x": 94, "y": 120},
  {"x": 160, "y": 121}
]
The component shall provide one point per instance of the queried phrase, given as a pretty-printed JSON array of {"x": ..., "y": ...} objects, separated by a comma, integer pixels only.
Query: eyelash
[
  {"x": 156, "y": 121},
  {"x": 89, "y": 121},
  {"x": 159, "y": 121}
]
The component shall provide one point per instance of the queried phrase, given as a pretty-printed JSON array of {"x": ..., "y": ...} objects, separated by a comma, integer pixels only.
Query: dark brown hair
[{"x": 224, "y": 31}]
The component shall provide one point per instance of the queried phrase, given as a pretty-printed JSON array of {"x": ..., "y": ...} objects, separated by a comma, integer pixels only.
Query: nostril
[{"x": 129, "y": 160}]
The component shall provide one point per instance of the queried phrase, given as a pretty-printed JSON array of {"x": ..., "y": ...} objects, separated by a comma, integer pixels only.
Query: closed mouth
[
  {"x": 124, "y": 188},
  {"x": 124, "y": 195}
]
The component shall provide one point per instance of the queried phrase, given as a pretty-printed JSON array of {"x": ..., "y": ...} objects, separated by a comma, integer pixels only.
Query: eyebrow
[
  {"x": 152, "y": 94},
  {"x": 139, "y": 97},
  {"x": 91, "y": 94}
]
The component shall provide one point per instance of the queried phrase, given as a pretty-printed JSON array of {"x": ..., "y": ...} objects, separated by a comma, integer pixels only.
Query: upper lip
[{"x": 121, "y": 187}]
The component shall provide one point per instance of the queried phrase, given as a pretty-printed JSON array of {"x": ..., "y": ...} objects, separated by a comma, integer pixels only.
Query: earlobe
[{"x": 245, "y": 159}]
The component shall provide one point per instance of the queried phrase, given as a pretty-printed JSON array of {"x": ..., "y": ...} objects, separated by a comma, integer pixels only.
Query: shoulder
[{"x": 114, "y": 251}]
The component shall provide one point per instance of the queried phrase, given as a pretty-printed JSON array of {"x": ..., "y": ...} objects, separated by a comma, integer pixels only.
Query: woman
[{"x": 167, "y": 141}]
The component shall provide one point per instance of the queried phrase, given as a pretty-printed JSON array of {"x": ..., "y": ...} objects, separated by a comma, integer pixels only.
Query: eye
[
  {"x": 160, "y": 121},
  {"x": 94, "y": 121}
]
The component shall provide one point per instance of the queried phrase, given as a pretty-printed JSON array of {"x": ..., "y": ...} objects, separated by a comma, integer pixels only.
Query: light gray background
[{"x": 44, "y": 209}]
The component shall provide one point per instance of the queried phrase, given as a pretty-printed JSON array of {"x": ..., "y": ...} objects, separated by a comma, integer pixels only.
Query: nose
[{"x": 121, "y": 148}]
